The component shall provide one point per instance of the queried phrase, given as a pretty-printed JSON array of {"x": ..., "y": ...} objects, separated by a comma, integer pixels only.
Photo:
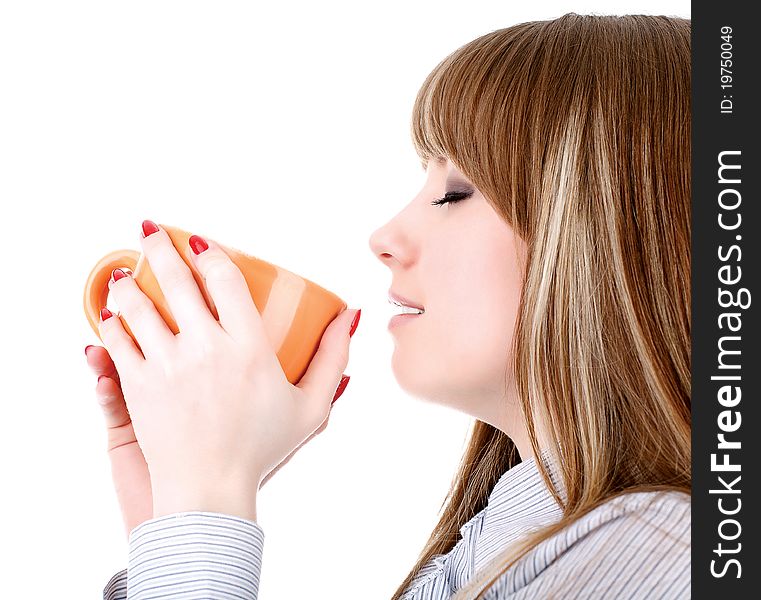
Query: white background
[{"x": 282, "y": 130}]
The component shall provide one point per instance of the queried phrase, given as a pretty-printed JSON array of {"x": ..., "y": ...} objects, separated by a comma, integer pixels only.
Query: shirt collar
[{"x": 521, "y": 493}]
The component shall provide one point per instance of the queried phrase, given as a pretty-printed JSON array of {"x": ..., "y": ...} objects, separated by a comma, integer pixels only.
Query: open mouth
[{"x": 406, "y": 310}]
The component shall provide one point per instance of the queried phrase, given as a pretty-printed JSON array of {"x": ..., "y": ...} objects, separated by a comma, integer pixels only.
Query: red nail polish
[
  {"x": 88, "y": 347},
  {"x": 149, "y": 227},
  {"x": 198, "y": 244},
  {"x": 341, "y": 387},
  {"x": 105, "y": 314},
  {"x": 354, "y": 323},
  {"x": 117, "y": 274}
]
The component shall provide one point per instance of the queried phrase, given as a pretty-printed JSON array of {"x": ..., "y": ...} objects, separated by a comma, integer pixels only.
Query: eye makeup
[{"x": 451, "y": 197}]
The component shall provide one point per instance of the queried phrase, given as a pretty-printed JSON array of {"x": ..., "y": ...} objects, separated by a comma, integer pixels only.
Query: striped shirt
[{"x": 632, "y": 546}]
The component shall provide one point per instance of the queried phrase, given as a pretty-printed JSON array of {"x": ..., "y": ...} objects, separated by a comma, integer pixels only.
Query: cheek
[
  {"x": 473, "y": 339},
  {"x": 462, "y": 345},
  {"x": 482, "y": 295}
]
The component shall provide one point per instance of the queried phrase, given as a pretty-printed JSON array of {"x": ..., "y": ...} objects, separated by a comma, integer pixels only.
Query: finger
[
  {"x": 126, "y": 356},
  {"x": 111, "y": 399},
  {"x": 99, "y": 360},
  {"x": 175, "y": 278},
  {"x": 228, "y": 288},
  {"x": 145, "y": 322},
  {"x": 321, "y": 380}
]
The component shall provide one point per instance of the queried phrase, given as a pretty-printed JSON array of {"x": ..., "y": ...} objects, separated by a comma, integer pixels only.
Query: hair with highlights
[{"x": 577, "y": 132}]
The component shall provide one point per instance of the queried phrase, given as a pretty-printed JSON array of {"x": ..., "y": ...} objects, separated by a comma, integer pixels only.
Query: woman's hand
[
  {"x": 318, "y": 431},
  {"x": 128, "y": 468},
  {"x": 211, "y": 407}
]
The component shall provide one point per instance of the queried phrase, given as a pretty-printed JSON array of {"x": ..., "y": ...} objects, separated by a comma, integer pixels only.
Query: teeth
[{"x": 407, "y": 310}]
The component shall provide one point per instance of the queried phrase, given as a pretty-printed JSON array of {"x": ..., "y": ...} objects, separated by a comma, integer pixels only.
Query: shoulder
[
  {"x": 661, "y": 513},
  {"x": 636, "y": 545},
  {"x": 655, "y": 521}
]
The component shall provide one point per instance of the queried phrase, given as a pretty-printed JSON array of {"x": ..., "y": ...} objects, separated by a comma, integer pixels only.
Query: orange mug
[{"x": 295, "y": 311}]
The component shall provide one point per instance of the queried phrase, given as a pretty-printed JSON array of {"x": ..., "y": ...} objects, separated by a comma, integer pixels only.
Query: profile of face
[{"x": 462, "y": 263}]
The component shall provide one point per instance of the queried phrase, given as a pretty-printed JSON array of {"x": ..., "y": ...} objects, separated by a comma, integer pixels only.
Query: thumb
[{"x": 323, "y": 376}]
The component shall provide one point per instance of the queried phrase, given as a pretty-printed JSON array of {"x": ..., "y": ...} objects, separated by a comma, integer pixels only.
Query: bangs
[{"x": 458, "y": 110}]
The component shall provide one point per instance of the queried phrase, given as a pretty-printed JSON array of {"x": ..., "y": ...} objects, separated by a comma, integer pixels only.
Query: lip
[
  {"x": 403, "y": 300},
  {"x": 397, "y": 320}
]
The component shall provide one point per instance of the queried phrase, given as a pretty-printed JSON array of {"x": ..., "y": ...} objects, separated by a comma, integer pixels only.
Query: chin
[
  {"x": 423, "y": 382},
  {"x": 412, "y": 377}
]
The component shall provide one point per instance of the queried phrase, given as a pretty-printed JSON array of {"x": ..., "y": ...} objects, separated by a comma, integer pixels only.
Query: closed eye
[{"x": 451, "y": 197}]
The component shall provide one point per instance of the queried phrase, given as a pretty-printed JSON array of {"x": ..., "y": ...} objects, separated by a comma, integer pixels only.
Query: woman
[{"x": 555, "y": 309}]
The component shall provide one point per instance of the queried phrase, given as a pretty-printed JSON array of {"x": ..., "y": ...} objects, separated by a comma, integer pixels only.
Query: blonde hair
[{"x": 577, "y": 131}]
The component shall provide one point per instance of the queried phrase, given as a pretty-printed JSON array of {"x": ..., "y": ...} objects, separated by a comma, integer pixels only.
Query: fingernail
[
  {"x": 149, "y": 227},
  {"x": 341, "y": 387},
  {"x": 105, "y": 314},
  {"x": 198, "y": 244},
  {"x": 354, "y": 323},
  {"x": 117, "y": 274},
  {"x": 88, "y": 347}
]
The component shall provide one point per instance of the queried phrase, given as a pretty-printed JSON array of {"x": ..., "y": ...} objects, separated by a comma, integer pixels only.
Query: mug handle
[{"x": 96, "y": 288}]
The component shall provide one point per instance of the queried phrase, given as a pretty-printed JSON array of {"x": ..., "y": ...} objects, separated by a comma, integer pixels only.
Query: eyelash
[{"x": 451, "y": 197}]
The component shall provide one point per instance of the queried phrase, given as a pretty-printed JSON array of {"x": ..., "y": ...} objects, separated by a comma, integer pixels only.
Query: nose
[
  {"x": 379, "y": 243},
  {"x": 390, "y": 244}
]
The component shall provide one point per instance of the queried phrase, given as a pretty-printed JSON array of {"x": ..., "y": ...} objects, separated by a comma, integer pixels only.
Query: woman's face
[{"x": 460, "y": 262}]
